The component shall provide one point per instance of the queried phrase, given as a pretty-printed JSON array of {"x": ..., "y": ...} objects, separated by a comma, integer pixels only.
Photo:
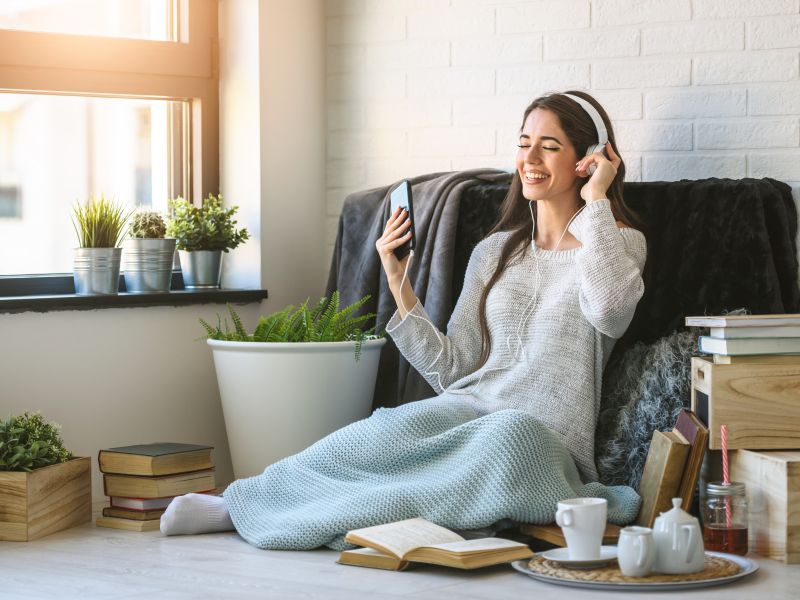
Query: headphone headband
[{"x": 602, "y": 134}]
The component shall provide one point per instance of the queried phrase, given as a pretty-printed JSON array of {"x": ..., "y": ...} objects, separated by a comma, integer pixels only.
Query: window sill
[
  {"x": 55, "y": 302},
  {"x": 55, "y": 291}
]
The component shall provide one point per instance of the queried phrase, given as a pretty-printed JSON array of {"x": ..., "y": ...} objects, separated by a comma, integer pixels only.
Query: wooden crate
[
  {"x": 772, "y": 481},
  {"x": 46, "y": 500},
  {"x": 759, "y": 402}
]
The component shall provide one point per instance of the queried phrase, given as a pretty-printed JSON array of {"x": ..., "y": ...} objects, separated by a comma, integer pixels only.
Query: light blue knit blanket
[{"x": 438, "y": 459}]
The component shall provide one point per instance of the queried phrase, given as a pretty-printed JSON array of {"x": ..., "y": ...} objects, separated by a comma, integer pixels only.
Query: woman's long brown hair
[{"x": 514, "y": 211}]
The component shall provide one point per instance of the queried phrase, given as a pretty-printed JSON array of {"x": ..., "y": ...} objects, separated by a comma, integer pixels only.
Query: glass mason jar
[{"x": 725, "y": 518}]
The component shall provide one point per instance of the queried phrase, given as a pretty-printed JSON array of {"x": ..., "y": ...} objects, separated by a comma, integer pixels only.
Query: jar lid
[{"x": 734, "y": 488}]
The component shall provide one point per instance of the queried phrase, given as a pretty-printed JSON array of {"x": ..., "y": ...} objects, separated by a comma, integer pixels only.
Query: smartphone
[{"x": 400, "y": 195}]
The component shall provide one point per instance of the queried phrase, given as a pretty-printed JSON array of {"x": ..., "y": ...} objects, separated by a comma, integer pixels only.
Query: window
[
  {"x": 142, "y": 19},
  {"x": 85, "y": 108}
]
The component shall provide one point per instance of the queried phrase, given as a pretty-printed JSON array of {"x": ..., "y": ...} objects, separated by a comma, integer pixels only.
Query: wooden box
[
  {"x": 759, "y": 402},
  {"x": 46, "y": 500},
  {"x": 772, "y": 481}
]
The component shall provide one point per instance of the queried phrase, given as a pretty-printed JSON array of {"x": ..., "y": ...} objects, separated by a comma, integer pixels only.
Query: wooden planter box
[
  {"x": 759, "y": 402},
  {"x": 46, "y": 500}
]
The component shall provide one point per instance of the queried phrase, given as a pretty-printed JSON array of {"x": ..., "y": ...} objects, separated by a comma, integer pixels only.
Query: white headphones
[{"x": 602, "y": 134}]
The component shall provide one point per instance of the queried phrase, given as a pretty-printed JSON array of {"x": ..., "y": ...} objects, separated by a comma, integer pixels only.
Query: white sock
[{"x": 196, "y": 513}]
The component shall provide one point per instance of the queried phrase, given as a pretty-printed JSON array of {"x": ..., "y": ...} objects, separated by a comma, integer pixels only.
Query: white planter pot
[{"x": 279, "y": 398}]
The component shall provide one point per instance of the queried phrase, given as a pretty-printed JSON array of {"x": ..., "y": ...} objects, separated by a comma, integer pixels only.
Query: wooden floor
[{"x": 88, "y": 562}]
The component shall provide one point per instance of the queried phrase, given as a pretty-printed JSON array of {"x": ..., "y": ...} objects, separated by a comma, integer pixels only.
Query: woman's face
[{"x": 546, "y": 159}]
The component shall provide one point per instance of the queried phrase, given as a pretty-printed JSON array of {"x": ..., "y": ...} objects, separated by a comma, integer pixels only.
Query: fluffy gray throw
[{"x": 644, "y": 389}]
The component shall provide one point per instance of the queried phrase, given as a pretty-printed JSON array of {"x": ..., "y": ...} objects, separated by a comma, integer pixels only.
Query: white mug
[
  {"x": 583, "y": 521},
  {"x": 636, "y": 551}
]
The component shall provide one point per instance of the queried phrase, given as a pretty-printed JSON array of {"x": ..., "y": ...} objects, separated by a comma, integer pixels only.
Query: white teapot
[{"x": 679, "y": 542}]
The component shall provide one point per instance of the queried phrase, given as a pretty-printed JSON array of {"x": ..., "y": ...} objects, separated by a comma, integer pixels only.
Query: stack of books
[
  {"x": 142, "y": 480},
  {"x": 750, "y": 338}
]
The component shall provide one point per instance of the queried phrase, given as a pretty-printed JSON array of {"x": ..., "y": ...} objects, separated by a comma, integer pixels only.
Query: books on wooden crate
[
  {"x": 163, "y": 458},
  {"x": 394, "y": 545},
  {"x": 740, "y": 346},
  {"x": 788, "y": 331},
  {"x": 792, "y": 320}
]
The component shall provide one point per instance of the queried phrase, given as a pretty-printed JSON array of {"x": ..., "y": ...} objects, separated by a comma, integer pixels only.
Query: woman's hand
[
  {"x": 599, "y": 182},
  {"x": 395, "y": 234}
]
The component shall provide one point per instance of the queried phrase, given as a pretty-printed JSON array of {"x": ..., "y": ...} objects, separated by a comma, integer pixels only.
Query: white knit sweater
[{"x": 585, "y": 301}]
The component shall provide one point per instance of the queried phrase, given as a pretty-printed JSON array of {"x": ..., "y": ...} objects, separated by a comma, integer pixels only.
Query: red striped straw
[{"x": 723, "y": 432}]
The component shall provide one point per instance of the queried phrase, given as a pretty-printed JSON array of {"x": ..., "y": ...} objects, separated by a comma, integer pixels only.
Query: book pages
[
  {"x": 403, "y": 536},
  {"x": 479, "y": 545}
]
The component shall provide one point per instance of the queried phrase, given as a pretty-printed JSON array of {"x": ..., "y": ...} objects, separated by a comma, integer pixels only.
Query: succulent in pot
[
  {"x": 148, "y": 255},
  {"x": 202, "y": 234},
  {"x": 100, "y": 225}
]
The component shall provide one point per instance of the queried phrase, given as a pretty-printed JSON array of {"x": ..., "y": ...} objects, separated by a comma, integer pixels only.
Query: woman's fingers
[{"x": 396, "y": 217}]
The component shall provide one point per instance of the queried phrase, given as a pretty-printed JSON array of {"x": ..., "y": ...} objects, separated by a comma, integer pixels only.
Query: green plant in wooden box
[
  {"x": 27, "y": 442},
  {"x": 202, "y": 234},
  {"x": 43, "y": 487}
]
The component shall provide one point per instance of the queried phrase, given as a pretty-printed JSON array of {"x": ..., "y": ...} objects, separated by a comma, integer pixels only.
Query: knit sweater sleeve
[
  {"x": 456, "y": 354},
  {"x": 610, "y": 268}
]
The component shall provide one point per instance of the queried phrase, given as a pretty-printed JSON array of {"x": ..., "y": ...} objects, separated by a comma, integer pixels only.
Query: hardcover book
[
  {"x": 134, "y": 486},
  {"x": 734, "y": 346},
  {"x": 128, "y": 524},
  {"x": 136, "y": 515},
  {"x": 663, "y": 471},
  {"x": 419, "y": 540},
  {"x": 696, "y": 433},
  {"x": 744, "y": 321},
  {"x": 155, "y": 459}
]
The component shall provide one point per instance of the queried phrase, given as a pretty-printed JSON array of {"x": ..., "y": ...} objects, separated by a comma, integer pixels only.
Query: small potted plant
[
  {"x": 148, "y": 255},
  {"x": 203, "y": 233},
  {"x": 303, "y": 373},
  {"x": 43, "y": 487},
  {"x": 100, "y": 225}
]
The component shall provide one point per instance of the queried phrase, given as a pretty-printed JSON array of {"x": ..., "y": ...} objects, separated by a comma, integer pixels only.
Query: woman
[{"x": 545, "y": 296}]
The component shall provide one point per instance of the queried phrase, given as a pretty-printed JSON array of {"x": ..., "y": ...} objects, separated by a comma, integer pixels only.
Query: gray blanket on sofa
[{"x": 355, "y": 266}]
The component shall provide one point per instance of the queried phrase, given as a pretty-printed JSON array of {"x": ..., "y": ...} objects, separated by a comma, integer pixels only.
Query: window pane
[
  {"x": 56, "y": 150},
  {"x": 141, "y": 19}
]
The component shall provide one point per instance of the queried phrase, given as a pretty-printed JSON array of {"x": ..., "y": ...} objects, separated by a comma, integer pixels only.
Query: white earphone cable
[{"x": 519, "y": 354}]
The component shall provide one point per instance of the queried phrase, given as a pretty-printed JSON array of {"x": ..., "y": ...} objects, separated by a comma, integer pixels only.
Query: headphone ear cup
[{"x": 591, "y": 150}]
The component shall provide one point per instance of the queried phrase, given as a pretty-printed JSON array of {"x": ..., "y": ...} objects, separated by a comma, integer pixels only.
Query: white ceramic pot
[
  {"x": 279, "y": 398},
  {"x": 679, "y": 541}
]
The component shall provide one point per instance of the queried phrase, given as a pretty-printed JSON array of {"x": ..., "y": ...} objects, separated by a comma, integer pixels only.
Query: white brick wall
[{"x": 695, "y": 88}]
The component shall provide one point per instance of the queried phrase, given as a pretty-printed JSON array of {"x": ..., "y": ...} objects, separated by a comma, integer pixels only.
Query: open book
[{"x": 393, "y": 545}]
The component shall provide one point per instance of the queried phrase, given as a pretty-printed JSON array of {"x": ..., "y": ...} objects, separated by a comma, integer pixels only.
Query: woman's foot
[{"x": 196, "y": 513}]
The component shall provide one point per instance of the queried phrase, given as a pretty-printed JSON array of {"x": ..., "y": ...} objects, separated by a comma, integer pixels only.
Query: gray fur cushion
[{"x": 644, "y": 389}]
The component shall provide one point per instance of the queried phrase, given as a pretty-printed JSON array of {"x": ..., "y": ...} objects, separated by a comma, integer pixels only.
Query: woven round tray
[{"x": 716, "y": 567}]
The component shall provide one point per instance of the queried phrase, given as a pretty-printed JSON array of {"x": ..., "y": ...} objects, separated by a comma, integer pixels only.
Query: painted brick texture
[{"x": 695, "y": 88}]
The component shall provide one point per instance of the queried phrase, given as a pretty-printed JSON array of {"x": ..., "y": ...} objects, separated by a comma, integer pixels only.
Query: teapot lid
[{"x": 676, "y": 514}]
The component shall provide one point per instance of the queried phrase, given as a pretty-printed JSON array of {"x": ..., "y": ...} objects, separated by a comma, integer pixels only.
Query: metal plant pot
[
  {"x": 202, "y": 269},
  {"x": 96, "y": 270},
  {"x": 148, "y": 265}
]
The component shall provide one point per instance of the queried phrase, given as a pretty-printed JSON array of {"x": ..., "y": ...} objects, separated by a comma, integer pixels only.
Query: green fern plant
[
  {"x": 27, "y": 442},
  {"x": 322, "y": 323}
]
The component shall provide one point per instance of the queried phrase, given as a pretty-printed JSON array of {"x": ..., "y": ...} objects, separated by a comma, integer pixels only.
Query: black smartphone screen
[{"x": 401, "y": 196}]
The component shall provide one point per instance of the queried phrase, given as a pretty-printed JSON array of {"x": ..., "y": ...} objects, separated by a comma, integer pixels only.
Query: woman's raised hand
[{"x": 395, "y": 234}]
